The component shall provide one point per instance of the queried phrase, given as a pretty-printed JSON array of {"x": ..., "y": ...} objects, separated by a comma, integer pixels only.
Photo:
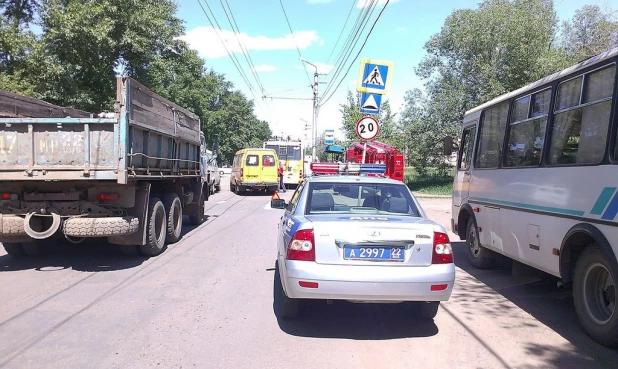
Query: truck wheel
[
  {"x": 239, "y": 189},
  {"x": 129, "y": 250},
  {"x": 595, "y": 297},
  {"x": 479, "y": 256},
  {"x": 14, "y": 249},
  {"x": 199, "y": 217},
  {"x": 35, "y": 248},
  {"x": 218, "y": 187},
  {"x": 156, "y": 228},
  {"x": 425, "y": 310},
  {"x": 173, "y": 209}
]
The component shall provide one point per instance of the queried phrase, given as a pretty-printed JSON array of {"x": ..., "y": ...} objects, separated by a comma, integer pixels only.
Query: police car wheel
[{"x": 284, "y": 306}]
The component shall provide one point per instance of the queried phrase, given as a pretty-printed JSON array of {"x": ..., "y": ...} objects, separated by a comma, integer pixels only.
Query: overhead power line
[
  {"x": 294, "y": 37},
  {"x": 353, "y": 41},
  {"x": 357, "y": 54},
  {"x": 236, "y": 30},
  {"x": 342, "y": 29}
]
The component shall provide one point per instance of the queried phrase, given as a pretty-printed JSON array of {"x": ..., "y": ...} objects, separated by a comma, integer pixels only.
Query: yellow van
[{"x": 255, "y": 169}]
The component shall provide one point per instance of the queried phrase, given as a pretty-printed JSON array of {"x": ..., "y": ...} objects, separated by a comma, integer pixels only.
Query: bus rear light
[
  {"x": 301, "y": 246},
  {"x": 108, "y": 196},
  {"x": 442, "y": 249}
]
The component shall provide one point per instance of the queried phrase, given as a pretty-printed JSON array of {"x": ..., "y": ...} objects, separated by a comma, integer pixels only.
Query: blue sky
[{"x": 399, "y": 36}]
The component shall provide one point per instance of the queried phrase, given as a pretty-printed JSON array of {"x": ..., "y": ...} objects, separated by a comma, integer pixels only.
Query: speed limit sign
[{"x": 367, "y": 128}]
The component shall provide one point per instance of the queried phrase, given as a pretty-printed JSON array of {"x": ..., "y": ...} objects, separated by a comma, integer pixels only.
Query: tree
[
  {"x": 590, "y": 32},
  {"x": 351, "y": 114}
]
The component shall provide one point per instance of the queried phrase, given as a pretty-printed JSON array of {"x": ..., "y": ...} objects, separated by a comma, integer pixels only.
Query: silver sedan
[{"x": 360, "y": 239}]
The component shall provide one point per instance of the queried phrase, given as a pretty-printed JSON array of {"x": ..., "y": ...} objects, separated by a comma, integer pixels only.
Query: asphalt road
[{"x": 207, "y": 302}]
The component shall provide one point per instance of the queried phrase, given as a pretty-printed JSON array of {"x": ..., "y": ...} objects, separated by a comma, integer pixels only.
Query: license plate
[{"x": 374, "y": 253}]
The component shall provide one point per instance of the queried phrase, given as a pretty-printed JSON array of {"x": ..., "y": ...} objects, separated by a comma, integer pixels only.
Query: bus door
[{"x": 464, "y": 160}]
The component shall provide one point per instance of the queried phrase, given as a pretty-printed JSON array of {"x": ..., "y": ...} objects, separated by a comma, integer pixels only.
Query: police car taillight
[
  {"x": 301, "y": 246},
  {"x": 442, "y": 249}
]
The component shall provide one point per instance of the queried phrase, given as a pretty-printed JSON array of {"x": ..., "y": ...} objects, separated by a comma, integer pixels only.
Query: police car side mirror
[{"x": 277, "y": 204}]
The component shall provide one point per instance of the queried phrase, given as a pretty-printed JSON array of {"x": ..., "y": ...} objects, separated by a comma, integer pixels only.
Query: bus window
[
  {"x": 493, "y": 126},
  {"x": 467, "y": 143},
  {"x": 526, "y": 135},
  {"x": 580, "y": 131}
]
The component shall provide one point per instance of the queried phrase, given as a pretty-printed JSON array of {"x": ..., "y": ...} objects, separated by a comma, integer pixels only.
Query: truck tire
[
  {"x": 479, "y": 256},
  {"x": 156, "y": 228},
  {"x": 13, "y": 226},
  {"x": 218, "y": 187},
  {"x": 173, "y": 209},
  {"x": 36, "y": 248},
  {"x": 198, "y": 218},
  {"x": 101, "y": 227},
  {"x": 14, "y": 249},
  {"x": 595, "y": 297}
]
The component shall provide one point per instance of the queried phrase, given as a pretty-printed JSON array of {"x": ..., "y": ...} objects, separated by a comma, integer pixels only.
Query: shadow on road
[
  {"x": 539, "y": 296},
  {"x": 95, "y": 255},
  {"x": 353, "y": 321}
]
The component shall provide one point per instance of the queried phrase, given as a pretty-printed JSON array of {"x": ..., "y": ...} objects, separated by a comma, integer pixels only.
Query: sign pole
[{"x": 364, "y": 152}]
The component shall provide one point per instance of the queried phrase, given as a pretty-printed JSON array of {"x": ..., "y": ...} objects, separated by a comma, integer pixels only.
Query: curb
[{"x": 419, "y": 195}]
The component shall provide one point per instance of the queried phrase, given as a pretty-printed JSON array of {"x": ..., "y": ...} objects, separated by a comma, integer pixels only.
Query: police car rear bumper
[{"x": 367, "y": 283}]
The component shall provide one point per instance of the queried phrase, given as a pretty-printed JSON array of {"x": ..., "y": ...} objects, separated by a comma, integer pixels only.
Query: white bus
[
  {"x": 536, "y": 181},
  {"x": 291, "y": 154}
]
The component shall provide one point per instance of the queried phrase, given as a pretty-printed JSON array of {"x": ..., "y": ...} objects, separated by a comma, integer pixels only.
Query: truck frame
[{"x": 128, "y": 176}]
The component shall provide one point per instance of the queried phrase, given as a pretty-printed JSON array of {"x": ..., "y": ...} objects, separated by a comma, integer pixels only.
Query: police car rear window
[{"x": 360, "y": 198}]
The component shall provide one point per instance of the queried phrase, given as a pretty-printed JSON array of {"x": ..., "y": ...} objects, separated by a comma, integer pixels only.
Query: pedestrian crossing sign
[{"x": 374, "y": 76}]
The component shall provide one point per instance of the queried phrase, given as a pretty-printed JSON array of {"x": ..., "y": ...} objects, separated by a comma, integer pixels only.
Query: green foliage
[
  {"x": 85, "y": 44},
  {"x": 432, "y": 182},
  {"x": 590, "y": 32}
]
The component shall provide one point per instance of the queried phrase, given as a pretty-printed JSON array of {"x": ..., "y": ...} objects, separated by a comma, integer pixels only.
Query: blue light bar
[
  {"x": 348, "y": 168},
  {"x": 373, "y": 169}
]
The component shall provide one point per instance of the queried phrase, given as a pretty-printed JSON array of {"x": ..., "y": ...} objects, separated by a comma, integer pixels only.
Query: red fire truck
[{"x": 379, "y": 153}]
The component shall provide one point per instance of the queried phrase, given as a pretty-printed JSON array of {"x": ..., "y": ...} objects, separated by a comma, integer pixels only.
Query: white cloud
[
  {"x": 322, "y": 67},
  {"x": 401, "y": 29},
  {"x": 265, "y": 68},
  {"x": 206, "y": 41},
  {"x": 319, "y": 1},
  {"x": 365, "y": 3}
]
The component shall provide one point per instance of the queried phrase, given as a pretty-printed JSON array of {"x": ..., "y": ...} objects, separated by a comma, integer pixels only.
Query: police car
[{"x": 350, "y": 234}]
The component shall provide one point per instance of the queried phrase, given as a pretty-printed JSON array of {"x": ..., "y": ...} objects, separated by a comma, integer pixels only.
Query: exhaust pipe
[{"x": 561, "y": 286}]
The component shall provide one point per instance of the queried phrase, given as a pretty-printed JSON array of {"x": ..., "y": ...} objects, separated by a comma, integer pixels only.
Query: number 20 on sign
[{"x": 367, "y": 128}]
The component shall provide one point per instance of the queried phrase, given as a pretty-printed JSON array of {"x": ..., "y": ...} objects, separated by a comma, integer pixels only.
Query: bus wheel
[
  {"x": 479, "y": 256},
  {"x": 595, "y": 298}
]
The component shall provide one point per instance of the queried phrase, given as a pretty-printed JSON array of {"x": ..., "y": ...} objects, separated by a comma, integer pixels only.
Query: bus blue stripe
[
  {"x": 603, "y": 199},
  {"x": 612, "y": 209},
  {"x": 531, "y": 206}
]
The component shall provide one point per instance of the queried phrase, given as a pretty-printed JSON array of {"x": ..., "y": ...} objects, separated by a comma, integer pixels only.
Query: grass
[{"x": 431, "y": 183}]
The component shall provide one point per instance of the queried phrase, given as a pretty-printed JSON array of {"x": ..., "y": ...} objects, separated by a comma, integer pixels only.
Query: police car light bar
[{"x": 347, "y": 168}]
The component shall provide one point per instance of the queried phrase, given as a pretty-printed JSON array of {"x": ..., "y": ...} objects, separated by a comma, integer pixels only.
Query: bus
[
  {"x": 536, "y": 181},
  {"x": 291, "y": 154}
]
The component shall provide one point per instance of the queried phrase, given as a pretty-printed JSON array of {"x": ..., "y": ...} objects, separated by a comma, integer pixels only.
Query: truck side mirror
[{"x": 448, "y": 145}]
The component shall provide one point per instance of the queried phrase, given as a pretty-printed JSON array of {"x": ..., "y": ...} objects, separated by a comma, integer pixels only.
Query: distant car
[
  {"x": 362, "y": 239},
  {"x": 225, "y": 170}
]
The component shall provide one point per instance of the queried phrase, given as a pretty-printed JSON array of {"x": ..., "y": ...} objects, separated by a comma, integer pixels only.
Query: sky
[{"x": 318, "y": 36}]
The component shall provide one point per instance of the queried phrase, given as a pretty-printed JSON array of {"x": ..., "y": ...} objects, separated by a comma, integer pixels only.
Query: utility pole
[{"x": 314, "y": 131}]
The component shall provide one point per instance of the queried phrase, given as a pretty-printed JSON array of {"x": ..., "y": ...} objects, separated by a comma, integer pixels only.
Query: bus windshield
[{"x": 286, "y": 152}]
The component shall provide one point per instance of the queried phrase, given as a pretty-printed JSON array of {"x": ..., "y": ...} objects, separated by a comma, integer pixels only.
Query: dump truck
[{"x": 128, "y": 175}]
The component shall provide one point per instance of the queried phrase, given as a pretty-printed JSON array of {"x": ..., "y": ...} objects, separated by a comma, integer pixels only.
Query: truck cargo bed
[{"x": 147, "y": 137}]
